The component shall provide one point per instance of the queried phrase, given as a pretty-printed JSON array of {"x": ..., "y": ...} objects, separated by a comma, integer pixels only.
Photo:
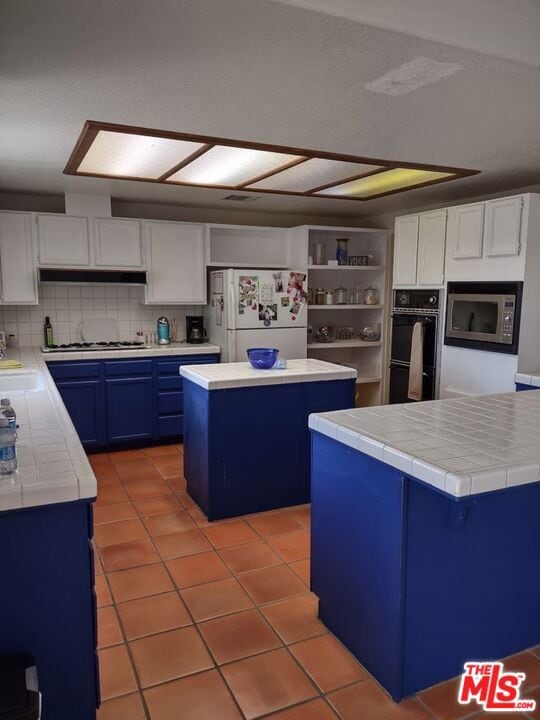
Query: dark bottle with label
[{"x": 48, "y": 332}]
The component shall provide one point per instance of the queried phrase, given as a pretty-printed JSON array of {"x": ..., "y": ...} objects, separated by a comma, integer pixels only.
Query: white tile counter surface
[
  {"x": 147, "y": 351},
  {"x": 241, "y": 374},
  {"x": 461, "y": 446},
  {"x": 528, "y": 379}
]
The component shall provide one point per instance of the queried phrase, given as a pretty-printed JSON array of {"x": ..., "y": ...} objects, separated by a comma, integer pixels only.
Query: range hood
[{"x": 114, "y": 277}]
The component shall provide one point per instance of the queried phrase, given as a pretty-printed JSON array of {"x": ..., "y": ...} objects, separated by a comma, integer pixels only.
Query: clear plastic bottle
[
  {"x": 7, "y": 410},
  {"x": 8, "y": 449}
]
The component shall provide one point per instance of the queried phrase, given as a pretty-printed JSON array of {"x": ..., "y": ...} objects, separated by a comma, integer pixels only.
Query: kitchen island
[
  {"x": 246, "y": 437},
  {"x": 432, "y": 509},
  {"x": 48, "y": 603},
  {"x": 527, "y": 381}
]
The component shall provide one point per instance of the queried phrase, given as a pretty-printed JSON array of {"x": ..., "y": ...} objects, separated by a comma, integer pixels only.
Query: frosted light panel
[
  {"x": 141, "y": 156},
  {"x": 395, "y": 179},
  {"x": 230, "y": 166},
  {"x": 312, "y": 174}
]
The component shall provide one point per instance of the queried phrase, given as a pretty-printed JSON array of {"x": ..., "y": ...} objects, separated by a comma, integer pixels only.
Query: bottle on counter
[
  {"x": 8, "y": 411},
  {"x": 8, "y": 448},
  {"x": 48, "y": 333}
]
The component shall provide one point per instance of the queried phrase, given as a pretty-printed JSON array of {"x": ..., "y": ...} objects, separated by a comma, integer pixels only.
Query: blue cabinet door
[
  {"x": 130, "y": 409},
  {"x": 85, "y": 404}
]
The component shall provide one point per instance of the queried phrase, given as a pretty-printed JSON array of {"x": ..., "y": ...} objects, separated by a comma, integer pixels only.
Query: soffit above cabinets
[{"x": 132, "y": 153}]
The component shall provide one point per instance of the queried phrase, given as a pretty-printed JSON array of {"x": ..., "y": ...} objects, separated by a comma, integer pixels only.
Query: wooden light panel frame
[{"x": 92, "y": 128}]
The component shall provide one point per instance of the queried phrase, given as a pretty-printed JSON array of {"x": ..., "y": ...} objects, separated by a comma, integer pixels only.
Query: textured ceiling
[{"x": 258, "y": 71}]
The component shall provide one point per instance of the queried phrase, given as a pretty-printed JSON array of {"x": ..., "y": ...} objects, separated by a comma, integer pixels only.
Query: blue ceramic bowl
[{"x": 262, "y": 358}]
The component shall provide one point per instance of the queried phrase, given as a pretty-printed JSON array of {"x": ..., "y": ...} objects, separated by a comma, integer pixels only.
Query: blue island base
[{"x": 415, "y": 582}]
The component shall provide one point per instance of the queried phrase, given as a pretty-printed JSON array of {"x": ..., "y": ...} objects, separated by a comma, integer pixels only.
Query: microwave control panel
[{"x": 509, "y": 305}]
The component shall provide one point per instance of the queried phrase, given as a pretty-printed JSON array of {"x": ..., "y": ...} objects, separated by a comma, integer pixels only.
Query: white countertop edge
[
  {"x": 156, "y": 350},
  {"x": 526, "y": 379}
]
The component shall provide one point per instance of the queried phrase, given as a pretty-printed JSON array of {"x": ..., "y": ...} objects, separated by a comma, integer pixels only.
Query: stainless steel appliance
[
  {"x": 195, "y": 332},
  {"x": 410, "y": 307},
  {"x": 484, "y": 316},
  {"x": 105, "y": 345}
]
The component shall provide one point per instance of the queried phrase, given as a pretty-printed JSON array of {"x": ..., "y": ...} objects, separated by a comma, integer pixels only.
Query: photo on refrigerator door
[
  {"x": 278, "y": 282},
  {"x": 248, "y": 286},
  {"x": 268, "y": 313}
]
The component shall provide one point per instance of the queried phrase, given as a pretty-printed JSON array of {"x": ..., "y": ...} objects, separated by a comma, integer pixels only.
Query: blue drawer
[
  {"x": 128, "y": 367},
  {"x": 170, "y": 403},
  {"x": 170, "y": 425},
  {"x": 171, "y": 382},
  {"x": 74, "y": 370},
  {"x": 172, "y": 366}
]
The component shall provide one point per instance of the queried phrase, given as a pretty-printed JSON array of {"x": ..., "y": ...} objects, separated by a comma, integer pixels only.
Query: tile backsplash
[{"x": 67, "y": 305}]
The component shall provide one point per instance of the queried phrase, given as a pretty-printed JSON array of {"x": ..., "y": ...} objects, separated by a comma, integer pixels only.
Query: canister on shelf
[
  {"x": 371, "y": 296},
  {"x": 340, "y": 295},
  {"x": 342, "y": 251},
  {"x": 319, "y": 296},
  {"x": 329, "y": 298}
]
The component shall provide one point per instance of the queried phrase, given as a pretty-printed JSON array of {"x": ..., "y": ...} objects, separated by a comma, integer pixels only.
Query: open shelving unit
[{"x": 368, "y": 358}]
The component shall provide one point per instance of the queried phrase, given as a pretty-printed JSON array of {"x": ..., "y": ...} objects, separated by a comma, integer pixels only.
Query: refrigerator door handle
[{"x": 233, "y": 308}]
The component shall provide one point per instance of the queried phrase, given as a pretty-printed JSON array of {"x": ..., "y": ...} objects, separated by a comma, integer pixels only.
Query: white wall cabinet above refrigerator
[
  {"x": 176, "y": 271},
  {"x": 18, "y": 275},
  {"x": 419, "y": 250}
]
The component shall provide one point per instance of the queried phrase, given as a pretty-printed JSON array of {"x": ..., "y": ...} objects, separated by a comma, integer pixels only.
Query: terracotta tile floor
[{"x": 215, "y": 621}]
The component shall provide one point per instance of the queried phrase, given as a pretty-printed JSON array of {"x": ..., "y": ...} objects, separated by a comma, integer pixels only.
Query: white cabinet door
[
  {"x": 63, "y": 240},
  {"x": 502, "y": 227},
  {"x": 405, "y": 250},
  {"x": 431, "y": 248},
  {"x": 117, "y": 243},
  {"x": 17, "y": 260},
  {"x": 465, "y": 231},
  {"x": 175, "y": 263}
]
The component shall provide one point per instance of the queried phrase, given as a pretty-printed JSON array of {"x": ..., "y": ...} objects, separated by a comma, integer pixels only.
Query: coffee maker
[{"x": 195, "y": 332}]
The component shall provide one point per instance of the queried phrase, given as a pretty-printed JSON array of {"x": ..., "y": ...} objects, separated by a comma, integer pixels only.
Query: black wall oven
[
  {"x": 484, "y": 316},
  {"x": 410, "y": 307}
]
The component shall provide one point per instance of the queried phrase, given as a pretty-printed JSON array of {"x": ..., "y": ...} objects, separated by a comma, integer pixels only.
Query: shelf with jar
[
  {"x": 348, "y": 306},
  {"x": 344, "y": 297}
]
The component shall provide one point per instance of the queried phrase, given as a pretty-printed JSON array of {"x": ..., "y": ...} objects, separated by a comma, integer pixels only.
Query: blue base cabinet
[
  {"x": 521, "y": 386},
  {"x": 125, "y": 401},
  {"x": 48, "y": 603}
]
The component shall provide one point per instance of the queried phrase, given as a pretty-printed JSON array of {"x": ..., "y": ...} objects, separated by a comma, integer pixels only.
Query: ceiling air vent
[{"x": 240, "y": 198}]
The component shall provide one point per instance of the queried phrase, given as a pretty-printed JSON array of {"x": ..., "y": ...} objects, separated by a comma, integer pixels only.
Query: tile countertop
[
  {"x": 241, "y": 374},
  {"x": 463, "y": 446},
  {"x": 528, "y": 378},
  {"x": 147, "y": 351}
]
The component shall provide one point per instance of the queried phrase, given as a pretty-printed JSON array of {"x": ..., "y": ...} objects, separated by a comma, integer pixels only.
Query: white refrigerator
[{"x": 257, "y": 308}]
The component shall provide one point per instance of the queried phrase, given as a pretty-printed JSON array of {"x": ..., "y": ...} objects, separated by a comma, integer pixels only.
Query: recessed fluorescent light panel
[{"x": 132, "y": 153}]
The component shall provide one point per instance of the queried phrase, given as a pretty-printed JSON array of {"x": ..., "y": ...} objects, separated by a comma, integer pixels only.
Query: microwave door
[{"x": 475, "y": 317}]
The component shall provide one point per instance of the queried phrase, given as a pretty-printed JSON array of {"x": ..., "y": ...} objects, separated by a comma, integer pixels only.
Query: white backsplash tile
[{"x": 67, "y": 305}]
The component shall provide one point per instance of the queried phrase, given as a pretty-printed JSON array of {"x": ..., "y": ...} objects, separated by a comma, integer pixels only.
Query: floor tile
[
  {"x": 139, "y": 582},
  {"x": 441, "y": 701},
  {"x": 180, "y": 544},
  {"x": 302, "y": 515},
  {"x": 98, "y": 567},
  {"x": 311, "y": 710},
  {"x": 129, "y": 554},
  {"x": 99, "y": 460},
  {"x": 368, "y": 701},
  {"x": 198, "y": 517},
  {"x": 295, "y": 619},
  {"x": 197, "y": 569},
  {"x": 237, "y": 636},
  {"x": 169, "y": 468},
  {"x": 110, "y": 495},
  {"x": 109, "y": 632},
  {"x": 145, "y": 487},
  {"x": 161, "y": 451},
  {"x": 303, "y": 569},
  {"x": 525, "y": 662},
  {"x": 291, "y": 546},
  {"x": 167, "y": 523},
  {"x": 156, "y": 505},
  {"x": 127, "y": 469},
  {"x": 106, "y": 476},
  {"x": 328, "y": 663},
  {"x": 272, "y": 584},
  {"x": 154, "y": 614},
  {"x": 536, "y": 650},
  {"x": 177, "y": 485},
  {"x": 170, "y": 655},
  {"x": 215, "y": 599},
  {"x": 103, "y": 593},
  {"x": 119, "y": 456},
  {"x": 237, "y": 532},
  {"x": 186, "y": 500},
  {"x": 127, "y": 707},
  {"x": 200, "y": 697},
  {"x": 254, "y": 556},
  {"x": 119, "y": 532},
  {"x": 116, "y": 674},
  {"x": 273, "y": 523},
  {"x": 114, "y": 513},
  {"x": 267, "y": 682}
]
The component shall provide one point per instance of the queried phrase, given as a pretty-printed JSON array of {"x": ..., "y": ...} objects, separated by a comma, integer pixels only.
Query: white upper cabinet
[
  {"x": 431, "y": 248},
  {"x": 175, "y": 263},
  {"x": 18, "y": 272},
  {"x": 405, "y": 250},
  {"x": 503, "y": 226},
  {"x": 63, "y": 240},
  {"x": 466, "y": 231},
  {"x": 118, "y": 243}
]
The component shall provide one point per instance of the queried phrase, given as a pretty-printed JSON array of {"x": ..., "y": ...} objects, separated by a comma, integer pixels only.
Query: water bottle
[
  {"x": 8, "y": 450},
  {"x": 7, "y": 410}
]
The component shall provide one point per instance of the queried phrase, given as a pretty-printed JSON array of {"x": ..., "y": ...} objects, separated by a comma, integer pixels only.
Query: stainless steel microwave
[{"x": 484, "y": 316}]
